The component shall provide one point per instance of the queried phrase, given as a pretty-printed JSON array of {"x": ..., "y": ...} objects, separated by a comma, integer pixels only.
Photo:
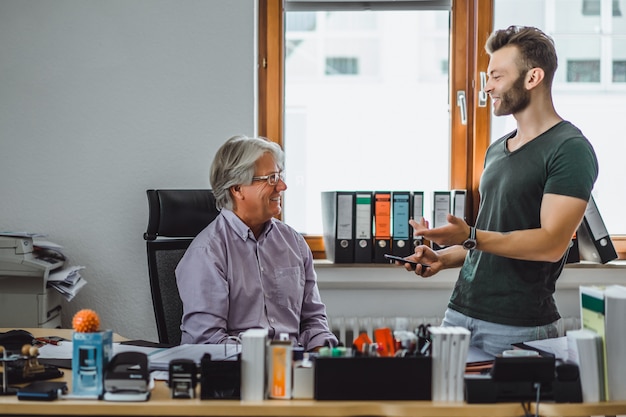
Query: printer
[{"x": 25, "y": 300}]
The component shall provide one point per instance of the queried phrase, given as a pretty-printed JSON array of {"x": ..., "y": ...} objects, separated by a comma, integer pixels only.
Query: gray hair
[{"x": 234, "y": 164}]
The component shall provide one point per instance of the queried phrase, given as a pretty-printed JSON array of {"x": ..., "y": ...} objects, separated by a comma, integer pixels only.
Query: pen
[{"x": 48, "y": 341}]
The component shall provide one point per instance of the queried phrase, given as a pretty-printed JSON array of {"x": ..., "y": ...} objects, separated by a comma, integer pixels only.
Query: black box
[
  {"x": 220, "y": 380},
  {"x": 373, "y": 378}
]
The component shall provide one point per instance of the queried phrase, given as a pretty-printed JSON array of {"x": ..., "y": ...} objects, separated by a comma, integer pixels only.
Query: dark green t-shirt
[{"x": 509, "y": 291}]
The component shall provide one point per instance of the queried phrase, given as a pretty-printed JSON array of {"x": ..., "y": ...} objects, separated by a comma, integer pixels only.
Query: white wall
[{"x": 101, "y": 100}]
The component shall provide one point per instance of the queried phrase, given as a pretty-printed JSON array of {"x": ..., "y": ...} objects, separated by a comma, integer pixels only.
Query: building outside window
[
  {"x": 590, "y": 84},
  {"x": 366, "y": 98},
  {"x": 366, "y": 105}
]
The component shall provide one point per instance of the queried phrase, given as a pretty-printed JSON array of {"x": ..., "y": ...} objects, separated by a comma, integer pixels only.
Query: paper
[
  {"x": 63, "y": 350},
  {"x": 556, "y": 346},
  {"x": 67, "y": 281},
  {"x": 160, "y": 360}
]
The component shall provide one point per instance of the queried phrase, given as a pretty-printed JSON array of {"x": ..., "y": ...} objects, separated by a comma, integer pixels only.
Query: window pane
[
  {"x": 579, "y": 59},
  {"x": 619, "y": 17},
  {"x": 574, "y": 16},
  {"x": 619, "y": 60},
  {"x": 366, "y": 107},
  {"x": 587, "y": 89}
]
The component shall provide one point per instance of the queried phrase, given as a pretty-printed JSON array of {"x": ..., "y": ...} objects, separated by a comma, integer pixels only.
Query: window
[
  {"x": 589, "y": 87},
  {"x": 581, "y": 71},
  {"x": 342, "y": 65},
  {"x": 363, "y": 78},
  {"x": 309, "y": 33}
]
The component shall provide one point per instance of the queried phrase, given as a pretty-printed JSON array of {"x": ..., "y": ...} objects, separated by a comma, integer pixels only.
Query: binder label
[
  {"x": 344, "y": 216},
  {"x": 363, "y": 216},
  {"x": 383, "y": 216},
  {"x": 401, "y": 216}
]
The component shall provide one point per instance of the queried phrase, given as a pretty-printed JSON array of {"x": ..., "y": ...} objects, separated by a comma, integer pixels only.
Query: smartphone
[{"x": 401, "y": 259}]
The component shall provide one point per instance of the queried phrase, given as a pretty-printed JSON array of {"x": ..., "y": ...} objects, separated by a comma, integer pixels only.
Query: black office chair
[{"x": 175, "y": 217}]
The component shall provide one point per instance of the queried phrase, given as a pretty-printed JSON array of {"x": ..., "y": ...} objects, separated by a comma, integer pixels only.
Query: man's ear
[
  {"x": 534, "y": 77},
  {"x": 235, "y": 192}
]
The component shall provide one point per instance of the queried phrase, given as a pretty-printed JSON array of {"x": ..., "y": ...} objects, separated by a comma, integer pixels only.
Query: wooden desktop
[{"x": 160, "y": 404}]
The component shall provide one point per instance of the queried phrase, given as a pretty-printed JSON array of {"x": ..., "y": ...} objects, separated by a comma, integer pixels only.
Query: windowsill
[
  {"x": 384, "y": 276},
  {"x": 322, "y": 263}
]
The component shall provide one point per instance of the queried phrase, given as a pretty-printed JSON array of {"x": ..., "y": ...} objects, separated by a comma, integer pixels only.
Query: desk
[{"x": 160, "y": 404}]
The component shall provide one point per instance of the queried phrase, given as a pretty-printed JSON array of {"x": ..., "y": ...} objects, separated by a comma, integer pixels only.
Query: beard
[{"x": 516, "y": 99}]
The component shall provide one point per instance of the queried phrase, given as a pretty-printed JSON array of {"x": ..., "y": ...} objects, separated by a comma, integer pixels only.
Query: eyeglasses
[{"x": 272, "y": 179}]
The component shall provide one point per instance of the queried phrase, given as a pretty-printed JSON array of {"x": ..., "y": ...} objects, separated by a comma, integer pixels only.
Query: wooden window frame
[{"x": 470, "y": 25}]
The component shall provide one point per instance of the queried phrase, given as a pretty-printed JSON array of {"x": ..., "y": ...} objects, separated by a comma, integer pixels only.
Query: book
[
  {"x": 463, "y": 353},
  {"x": 592, "y": 318},
  {"x": 615, "y": 341},
  {"x": 603, "y": 309},
  {"x": 439, "y": 365},
  {"x": 584, "y": 348},
  {"x": 253, "y": 346}
]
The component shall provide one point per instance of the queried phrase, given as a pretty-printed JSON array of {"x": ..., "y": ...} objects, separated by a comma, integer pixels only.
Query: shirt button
[{"x": 272, "y": 320}]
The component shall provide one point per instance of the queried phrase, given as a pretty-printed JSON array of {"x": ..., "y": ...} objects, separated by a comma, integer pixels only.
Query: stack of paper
[
  {"x": 67, "y": 281},
  {"x": 585, "y": 350},
  {"x": 450, "y": 346}
]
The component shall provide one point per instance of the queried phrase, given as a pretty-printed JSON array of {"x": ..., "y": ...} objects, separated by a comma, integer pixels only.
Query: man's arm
[
  {"x": 204, "y": 292},
  {"x": 560, "y": 216},
  {"x": 314, "y": 328}
]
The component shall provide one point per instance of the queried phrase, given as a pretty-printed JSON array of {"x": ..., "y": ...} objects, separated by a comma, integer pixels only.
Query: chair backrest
[{"x": 175, "y": 217}]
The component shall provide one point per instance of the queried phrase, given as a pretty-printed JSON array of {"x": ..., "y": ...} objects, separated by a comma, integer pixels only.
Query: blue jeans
[{"x": 495, "y": 338}]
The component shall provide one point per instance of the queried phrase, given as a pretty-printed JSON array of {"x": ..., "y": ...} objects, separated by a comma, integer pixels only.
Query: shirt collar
[{"x": 241, "y": 229}]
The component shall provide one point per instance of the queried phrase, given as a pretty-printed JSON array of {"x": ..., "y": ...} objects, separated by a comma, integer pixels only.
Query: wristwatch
[{"x": 470, "y": 242}]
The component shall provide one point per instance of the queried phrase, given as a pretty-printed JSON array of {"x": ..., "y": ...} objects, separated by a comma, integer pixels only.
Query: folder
[
  {"x": 441, "y": 209},
  {"x": 382, "y": 225},
  {"x": 401, "y": 239},
  {"x": 417, "y": 212},
  {"x": 594, "y": 241},
  {"x": 363, "y": 248},
  {"x": 338, "y": 225},
  {"x": 459, "y": 207}
]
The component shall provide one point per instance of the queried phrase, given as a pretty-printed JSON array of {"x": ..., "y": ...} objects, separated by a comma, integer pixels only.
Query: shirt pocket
[{"x": 289, "y": 287}]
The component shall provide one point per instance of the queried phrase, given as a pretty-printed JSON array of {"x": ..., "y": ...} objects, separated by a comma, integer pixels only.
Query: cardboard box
[{"x": 91, "y": 354}]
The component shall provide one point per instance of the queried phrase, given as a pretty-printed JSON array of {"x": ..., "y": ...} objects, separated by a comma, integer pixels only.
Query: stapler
[{"x": 126, "y": 377}]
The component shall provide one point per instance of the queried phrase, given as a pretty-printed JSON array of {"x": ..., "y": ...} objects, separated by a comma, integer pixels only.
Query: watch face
[{"x": 469, "y": 244}]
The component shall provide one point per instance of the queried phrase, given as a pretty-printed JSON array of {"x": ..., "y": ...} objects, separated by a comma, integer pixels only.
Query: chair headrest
[{"x": 179, "y": 213}]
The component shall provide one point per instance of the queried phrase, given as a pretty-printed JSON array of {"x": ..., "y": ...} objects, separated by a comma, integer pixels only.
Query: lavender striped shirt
[{"x": 230, "y": 282}]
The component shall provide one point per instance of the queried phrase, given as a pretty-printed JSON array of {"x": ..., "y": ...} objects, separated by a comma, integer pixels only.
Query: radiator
[{"x": 348, "y": 328}]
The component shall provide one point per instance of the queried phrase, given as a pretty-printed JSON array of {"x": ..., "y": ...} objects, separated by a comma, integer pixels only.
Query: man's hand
[
  {"x": 428, "y": 262},
  {"x": 453, "y": 233}
]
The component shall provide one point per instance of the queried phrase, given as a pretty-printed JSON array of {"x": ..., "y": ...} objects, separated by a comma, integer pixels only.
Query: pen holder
[
  {"x": 373, "y": 378},
  {"x": 90, "y": 355}
]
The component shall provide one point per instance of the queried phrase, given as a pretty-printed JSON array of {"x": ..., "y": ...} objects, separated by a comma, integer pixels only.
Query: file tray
[{"x": 373, "y": 378}]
